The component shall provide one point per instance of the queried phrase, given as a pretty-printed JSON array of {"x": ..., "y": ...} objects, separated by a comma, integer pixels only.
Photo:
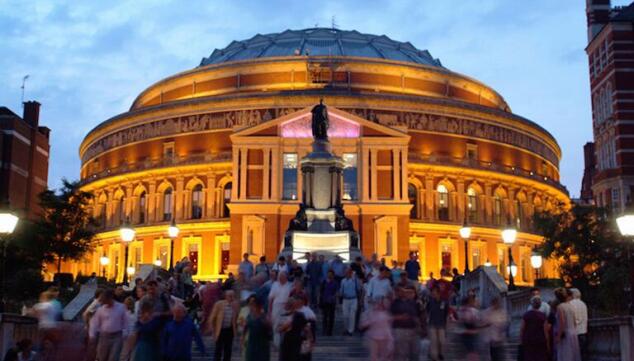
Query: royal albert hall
[{"x": 216, "y": 150}]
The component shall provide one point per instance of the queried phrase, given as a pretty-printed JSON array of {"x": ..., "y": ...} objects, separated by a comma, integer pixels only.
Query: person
[
  {"x": 147, "y": 334},
  {"x": 246, "y": 267},
  {"x": 298, "y": 290},
  {"x": 159, "y": 300},
  {"x": 223, "y": 321},
  {"x": 445, "y": 287},
  {"x": 278, "y": 296},
  {"x": 281, "y": 265},
  {"x": 46, "y": 313},
  {"x": 187, "y": 282},
  {"x": 293, "y": 332},
  {"x": 412, "y": 268},
  {"x": 581, "y": 319},
  {"x": 25, "y": 351},
  {"x": 176, "y": 341},
  {"x": 110, "y": 323},
  {"x": 438, "y": 312},
  {"x": 551, "y": 319},
  {"x": 329, "y": 302},
  {"x": 378, "y": 331},
  {"x": 325, "y": 267},
  {"x": 544, "y": 308},
  {"x": 296, "y": 271},
  {"x": 119, "y": 294},
  {"x": 259, "y": 334},
  {"x": 140, "y": 292},
  {"x": 456, "y": 279},
  {"x": 339, "y": 268},
  {"x": 349, "y": 292},
  {"x": 209, "y": 296},
  {"x": 431, "y": 281},
  {"x": 128, "y": 342},
  {"x": 534, "y": 333},
  {"x": 405, "y": 318},
  {"x": 55, "y": 302},
  {"x": 380, "y": 287},
  {"x": 403, "y": 281},
  {"x": 396, "y": 272},
  {"x": 566, "y": 340},
  {"x": 262, "y": 267},
  {"x": 313, "y": 272},
  {"x": 470, "y": 318},
  {"x": 497, "y": 321},
  {"x": 359, "y": 268}
]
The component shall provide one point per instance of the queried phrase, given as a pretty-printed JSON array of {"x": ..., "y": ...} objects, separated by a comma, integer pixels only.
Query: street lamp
[
  {"x": 512, "y": 269},
  {"x": 158, "y": 262},
  {"x": 508, "y": 236},
  {"x": 172, "y": 232},
  {"x": 536, "y": 262},
  {"x": 127, "y": 235},
  {"x": 626, "y": 227},
  {"x": 104, "y": 261},
  {"x": 465, "y": 233},
  {"x": 8, "y": 221}
]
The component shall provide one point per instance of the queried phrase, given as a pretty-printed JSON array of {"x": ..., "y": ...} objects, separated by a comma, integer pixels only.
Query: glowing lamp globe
[
  {"x": 487, "y": 263},
  {"x": 465, "y": 232},
  {"x": 509, "y": 234},
  {"x": 127, "y": 232},
  {"x": 512, "y": 269},
  {"x": 626, "y": 224},
  {"x": 131, "y": 270},
  {"x": 158, "y": 263},
  {"x": 536, "y": 260},
  {"x": 172, "y": 230},
  {"x": 104, "y": 261},
  {"x": 8, "y": 221}
]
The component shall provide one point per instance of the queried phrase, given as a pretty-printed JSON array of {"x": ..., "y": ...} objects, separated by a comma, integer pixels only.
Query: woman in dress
[
  {"x": 377, "y": 324},
  {"x": 259, "y": 333},
  {"x": 534, "y": 333},
  {"x": 148, "y": 335},
  {"x": 566, "y": 334}
]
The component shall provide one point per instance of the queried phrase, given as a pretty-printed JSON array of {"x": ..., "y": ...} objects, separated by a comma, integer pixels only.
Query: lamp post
[
  {"x": 158, "y": 262},
  {"x": 127, "y": 235},
  {"x": 8, "y": 221},
  {"x": 465, "y": 233},
  {"x": 172, "y": 232},
  {"x": 104, "y": 261},
  {"x": 626, "y": 227},
  {"x": 536, "y": 263},
  {"x": 508, "y": 236}
]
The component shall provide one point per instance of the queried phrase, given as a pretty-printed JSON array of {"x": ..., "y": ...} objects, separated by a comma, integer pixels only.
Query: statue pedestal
[{"x": 328, "y": 244}]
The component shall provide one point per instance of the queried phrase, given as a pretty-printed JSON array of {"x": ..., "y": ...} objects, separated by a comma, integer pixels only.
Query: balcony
[
  {"x": 149, "y": 164},
  {"x": 487, "y": 166}
]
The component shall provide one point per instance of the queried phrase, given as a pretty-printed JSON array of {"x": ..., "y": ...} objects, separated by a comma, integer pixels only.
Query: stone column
[
  {"x": 129, "y": 203},
  {"x": 396, "y": 174},
  {"x": 488, "y": 207},
  {"x": 429, "y": 198},
  {"x": 266, "y": 171},
  {"x": 210, "y": 193},
  {"x": 178, "y": 199},
  {"x": 235, "y": 169},
  {"x": 365, "y": 178},
  {"x": 404, "y": 184},
  {"x": 373, "y": 177},
  {"x": 511, "y": 206},
  {"x": 275, "y": 174},
  {"x": 151, "y": 205},
  {"x": 243, "y": 173}
]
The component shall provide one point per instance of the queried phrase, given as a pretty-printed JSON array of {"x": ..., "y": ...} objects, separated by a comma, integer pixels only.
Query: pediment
[{"x": 298, "y": 125}]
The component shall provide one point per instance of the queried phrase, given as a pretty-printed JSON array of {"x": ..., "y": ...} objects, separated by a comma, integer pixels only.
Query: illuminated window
[
  {"x": 476, "y": 257},
  {"x": 121, "y": 210},
  {"x": 497, "y": 210},
  {"x": 168, "y": 203},
  {"x": 350, "y": 176},
  {"x": 502, "y": 262},
  {"x": 226, "y": 197},
  {"x": 412, "y": 194},
  {"x": 142, "y": 207},
  {"x": 443, "y": 203},
  {"x": 197, "y": 202},
  {"x": 472, "y": 151},
  {"x": 472, "y": 205},
  {"x": 163, "y": 256},
  {"x": 289, "y": 176}
]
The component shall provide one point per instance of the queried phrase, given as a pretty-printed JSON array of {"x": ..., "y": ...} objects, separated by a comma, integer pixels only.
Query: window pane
[
  {"x": 350, "y": 176},
  {"x": 289, "y": 175},
  {"x": 197, "y": 197},
  {"x": 167, "y": 205}
]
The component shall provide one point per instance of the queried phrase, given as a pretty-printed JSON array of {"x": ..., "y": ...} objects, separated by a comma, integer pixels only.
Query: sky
[{"x": 88, "y": 60}]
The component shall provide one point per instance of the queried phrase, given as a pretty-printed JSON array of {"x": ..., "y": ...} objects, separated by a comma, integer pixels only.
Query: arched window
[
  {"x": 121, "y": 210},
  {"x": 497, "y": 210},
  {"x": 472, "y": 205},
  {"x": 443, "y": 202},
  {"x": 226, "y": 197},
  {"x": 197, "y": 202},
  {"x": 142, "y": 207},
  {"x": 412, "y": 194},
  {"x": 168, "y": 204}
]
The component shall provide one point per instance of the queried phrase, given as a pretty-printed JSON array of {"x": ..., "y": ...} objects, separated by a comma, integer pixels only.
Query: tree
[
  {"x": 590, "y": 254},
  {"x": 67, "y": 228}
]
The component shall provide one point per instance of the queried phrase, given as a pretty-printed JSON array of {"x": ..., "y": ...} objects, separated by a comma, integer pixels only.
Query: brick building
[
  {"x": 24, "y": 152},
  {"x": 611, "y": 66}
]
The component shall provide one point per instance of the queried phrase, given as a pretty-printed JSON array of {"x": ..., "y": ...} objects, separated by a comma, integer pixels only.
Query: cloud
[{"x": 89, "y": 60}]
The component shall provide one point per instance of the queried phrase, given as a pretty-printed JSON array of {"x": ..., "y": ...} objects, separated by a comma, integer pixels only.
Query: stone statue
[{"x": 320, "y": 121}]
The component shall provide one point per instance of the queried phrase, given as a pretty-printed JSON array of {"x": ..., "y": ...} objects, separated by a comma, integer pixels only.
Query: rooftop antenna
[
  {"x": 24, "y": 78},
  {"x": 333, "y": 23}
]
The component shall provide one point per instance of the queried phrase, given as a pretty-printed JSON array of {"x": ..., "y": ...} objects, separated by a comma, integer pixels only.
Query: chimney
[
  {"x": 598, "y": 14},
  {"x": 31, "y": 113}
]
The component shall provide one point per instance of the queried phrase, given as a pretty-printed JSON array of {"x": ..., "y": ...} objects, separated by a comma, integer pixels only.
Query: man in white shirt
[
  {"x": 380, "y": 287},
  {"x": 545, "y": 307},
  {"x": 246, "y": 267},
  {"x": 581, "y": 318},
  {"x": 278, "y": 297},
  {"x": 110, "y": 323}
]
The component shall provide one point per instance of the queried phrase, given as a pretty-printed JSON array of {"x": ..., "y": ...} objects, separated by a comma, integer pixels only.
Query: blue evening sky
[{"x": 88, "y": 60}]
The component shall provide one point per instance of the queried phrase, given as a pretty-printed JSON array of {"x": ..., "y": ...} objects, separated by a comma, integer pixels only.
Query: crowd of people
[{"x": 286, "y": 306}]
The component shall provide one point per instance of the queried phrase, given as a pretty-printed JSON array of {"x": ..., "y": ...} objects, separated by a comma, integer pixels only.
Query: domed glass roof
[{"x": 321, "y": 42}]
